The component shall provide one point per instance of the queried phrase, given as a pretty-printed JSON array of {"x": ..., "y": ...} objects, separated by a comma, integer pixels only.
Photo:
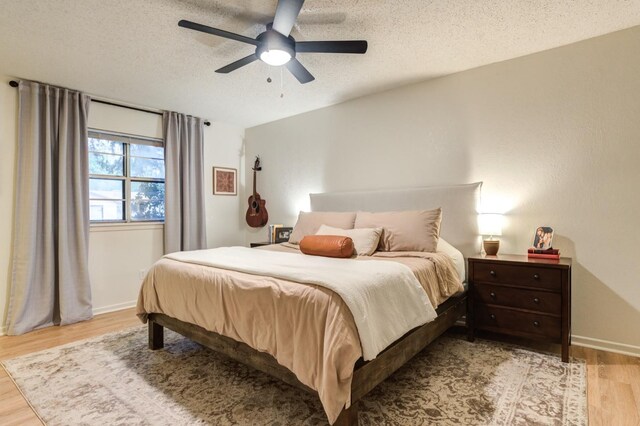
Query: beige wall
[
  {"x": 118, "y": 259},
  {"x": 553, "y": 135},
  {"x": 224, "y": 144},
  {"x": 119, "y": 255}
]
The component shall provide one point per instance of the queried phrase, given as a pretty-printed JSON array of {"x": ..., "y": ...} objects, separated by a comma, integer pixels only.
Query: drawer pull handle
[
  {"x": 492, "y": 316},
  {"x": 492, "y": 273},
  {"x": 493, "y": 295},
  {"x": 536, "y": 300},
  {"x": 536, "y": 324},
  {"x": 536, "y": 276}
]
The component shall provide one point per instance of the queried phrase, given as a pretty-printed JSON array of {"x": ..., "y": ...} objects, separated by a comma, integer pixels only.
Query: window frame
[{"x": 126, "y": 178}]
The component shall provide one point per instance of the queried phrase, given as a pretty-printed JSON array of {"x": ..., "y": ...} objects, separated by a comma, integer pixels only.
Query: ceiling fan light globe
[{"x": 275, "y": 57}]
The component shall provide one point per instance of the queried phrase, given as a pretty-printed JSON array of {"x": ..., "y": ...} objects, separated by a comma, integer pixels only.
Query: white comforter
[{"x": 385, "y": 298}]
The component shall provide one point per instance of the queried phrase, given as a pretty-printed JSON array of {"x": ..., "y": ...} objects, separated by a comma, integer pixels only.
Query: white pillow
[
  {"x": 454, "y": 253},
  {"x": 309, "y": 222},
  {"x": 365, "y": 240}
]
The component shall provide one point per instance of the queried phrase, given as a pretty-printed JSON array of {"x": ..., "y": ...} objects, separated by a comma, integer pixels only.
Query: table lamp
[{"x": 490, "y": 224}]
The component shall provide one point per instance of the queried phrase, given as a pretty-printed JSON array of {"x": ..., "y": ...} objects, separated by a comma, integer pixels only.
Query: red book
[
  {"x": 544, "y": 256},
  {"x": 547, "y": 251}
]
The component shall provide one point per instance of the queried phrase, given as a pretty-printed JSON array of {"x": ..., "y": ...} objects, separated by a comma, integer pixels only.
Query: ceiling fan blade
[
  {"x": 286, "y": 14},
  {"x": 299, "y": 71},
  {"x": 346, "y": 46},
  {"x": 221, "y": 33},
  {"x": 237, "y": 64}
]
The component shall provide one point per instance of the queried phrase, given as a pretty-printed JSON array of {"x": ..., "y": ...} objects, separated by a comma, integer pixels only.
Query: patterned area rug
[{"x": 115, "y": 379}]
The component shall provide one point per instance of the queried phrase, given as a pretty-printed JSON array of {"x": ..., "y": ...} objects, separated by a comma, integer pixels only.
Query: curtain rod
[{"x": 14, "y": 83}]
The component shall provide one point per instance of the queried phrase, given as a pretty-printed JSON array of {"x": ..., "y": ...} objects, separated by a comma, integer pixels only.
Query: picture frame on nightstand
[
  {"x": 282, "y": 234},
  {"x": 542, "y": 238}
]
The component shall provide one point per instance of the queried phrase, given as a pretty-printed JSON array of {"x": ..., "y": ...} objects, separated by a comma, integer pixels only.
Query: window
[{"x": 126, "y": 178}]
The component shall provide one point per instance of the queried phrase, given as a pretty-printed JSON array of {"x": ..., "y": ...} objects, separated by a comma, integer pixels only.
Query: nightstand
[
  {"x": 519, "y": 296},
  {"x": 260, "y": 244}
]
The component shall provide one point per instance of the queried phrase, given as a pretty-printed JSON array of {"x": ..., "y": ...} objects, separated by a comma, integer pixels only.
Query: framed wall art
[{"x": 225, "y": 181}]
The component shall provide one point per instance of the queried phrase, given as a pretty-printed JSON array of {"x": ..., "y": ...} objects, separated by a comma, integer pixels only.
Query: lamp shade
[{"x": 490, "y": 224}]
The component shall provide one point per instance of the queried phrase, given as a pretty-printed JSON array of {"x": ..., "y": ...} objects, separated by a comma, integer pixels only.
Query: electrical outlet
[{"x": 142, "y": 273}]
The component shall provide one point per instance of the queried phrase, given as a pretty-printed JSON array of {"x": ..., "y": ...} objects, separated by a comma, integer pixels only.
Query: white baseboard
[
  {"x": 606, "y": 345},
  {"x": 3, "y": 330},
  {"x": 116, "y": 307}
]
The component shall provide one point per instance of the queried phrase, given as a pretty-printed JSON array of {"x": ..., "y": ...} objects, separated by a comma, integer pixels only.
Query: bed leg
[
  {"x": 156, "y": 336},
  {"x": 348, "y": 416},
  {"x": 471, "y": 332}
]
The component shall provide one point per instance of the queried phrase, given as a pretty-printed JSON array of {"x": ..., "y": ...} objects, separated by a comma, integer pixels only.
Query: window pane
[
  {"x": 102, "y": 145},
  {"x": 106, "y": 164},
  {"x": 144, "y": 167},
  {"x": 147, "y": 151},
  {"x": 100, "y": 210},
  {"x": 106, "y": 189},
  {"x": 147, "y": 200}
]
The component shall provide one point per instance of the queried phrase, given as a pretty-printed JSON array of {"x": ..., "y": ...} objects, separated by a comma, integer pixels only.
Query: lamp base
[{"x": 491, "y": 247}]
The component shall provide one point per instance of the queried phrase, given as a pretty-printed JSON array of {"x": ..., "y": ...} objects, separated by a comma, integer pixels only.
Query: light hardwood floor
[
  {"x": 613, "y": 380},
  {"x": 14, "y": 409}
]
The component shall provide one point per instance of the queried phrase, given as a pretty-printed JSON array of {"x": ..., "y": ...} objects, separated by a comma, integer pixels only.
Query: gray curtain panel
[
  {"x": 50, "y": 276},
  {"x": 184, "y": 222}
]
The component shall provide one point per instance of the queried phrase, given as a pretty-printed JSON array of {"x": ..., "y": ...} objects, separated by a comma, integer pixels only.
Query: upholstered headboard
[{"x": 459, "y": 205}]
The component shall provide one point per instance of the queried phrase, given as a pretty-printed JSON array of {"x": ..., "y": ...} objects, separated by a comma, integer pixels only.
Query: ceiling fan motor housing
[{"x": 273, "y": 40}]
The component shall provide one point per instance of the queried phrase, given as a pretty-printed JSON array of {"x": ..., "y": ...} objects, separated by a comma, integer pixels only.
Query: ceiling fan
[{"x": 276, "y": 47}]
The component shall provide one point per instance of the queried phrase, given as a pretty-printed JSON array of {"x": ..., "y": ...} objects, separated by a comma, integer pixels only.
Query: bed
[{"x": 265, "y": 348}]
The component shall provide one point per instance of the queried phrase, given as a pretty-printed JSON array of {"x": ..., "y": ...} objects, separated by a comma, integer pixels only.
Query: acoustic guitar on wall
[{"x": 257, "y": 215}]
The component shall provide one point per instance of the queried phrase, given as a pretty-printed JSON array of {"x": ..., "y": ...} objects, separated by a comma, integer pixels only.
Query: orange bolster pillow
[{"x": 327, "y": 245}]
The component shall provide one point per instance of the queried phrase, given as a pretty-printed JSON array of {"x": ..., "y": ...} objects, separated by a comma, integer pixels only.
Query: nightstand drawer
[
  {"x": 526, "y": 276},
  {"x": 515, "y": 322},
  {"x": 541, "y": 301}
]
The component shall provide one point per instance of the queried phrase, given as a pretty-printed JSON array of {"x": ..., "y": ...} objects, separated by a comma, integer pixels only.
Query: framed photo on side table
[
  {"x": 224, "y": 181},
  {"x": 543, "y": 238},
  {"x": 282, "y": 234}
]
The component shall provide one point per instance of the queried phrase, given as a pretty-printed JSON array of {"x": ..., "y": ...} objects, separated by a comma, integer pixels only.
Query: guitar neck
[{"x": 254, "y": 182}]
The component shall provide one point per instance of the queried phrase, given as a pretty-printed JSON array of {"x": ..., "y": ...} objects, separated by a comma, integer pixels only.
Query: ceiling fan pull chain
[{"x": 281, "y": 84}]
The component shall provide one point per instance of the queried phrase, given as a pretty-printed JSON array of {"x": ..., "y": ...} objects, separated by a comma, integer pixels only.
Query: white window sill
[{"x": 141, "y": 226}]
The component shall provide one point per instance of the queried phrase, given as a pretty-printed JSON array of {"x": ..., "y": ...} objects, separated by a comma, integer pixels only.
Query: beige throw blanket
[
  {"x": 385, "y": 298},
  {"x": 442, "y": 277}
]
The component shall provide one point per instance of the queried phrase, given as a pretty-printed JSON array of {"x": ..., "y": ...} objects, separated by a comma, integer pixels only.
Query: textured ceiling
[{"x": 133, "y": 50}]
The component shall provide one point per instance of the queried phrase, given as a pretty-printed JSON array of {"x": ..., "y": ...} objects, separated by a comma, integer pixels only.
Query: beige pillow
[
  {"x": 365, "y": 240},
  {"x": 404, "y": 230},
  {"x": 309, "y": 222}
]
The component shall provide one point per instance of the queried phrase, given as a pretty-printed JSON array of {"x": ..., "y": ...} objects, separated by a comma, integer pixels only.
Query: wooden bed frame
[
  {"x": 366, "y": 375},
  {"x": 460, "y": 229}
]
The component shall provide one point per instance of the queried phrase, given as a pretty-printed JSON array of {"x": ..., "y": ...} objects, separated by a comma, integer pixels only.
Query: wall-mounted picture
[
  {"x": 224, "y": 181},
  {"x": 283, "y": 234},
  {"x": 543, "y": 238}
]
